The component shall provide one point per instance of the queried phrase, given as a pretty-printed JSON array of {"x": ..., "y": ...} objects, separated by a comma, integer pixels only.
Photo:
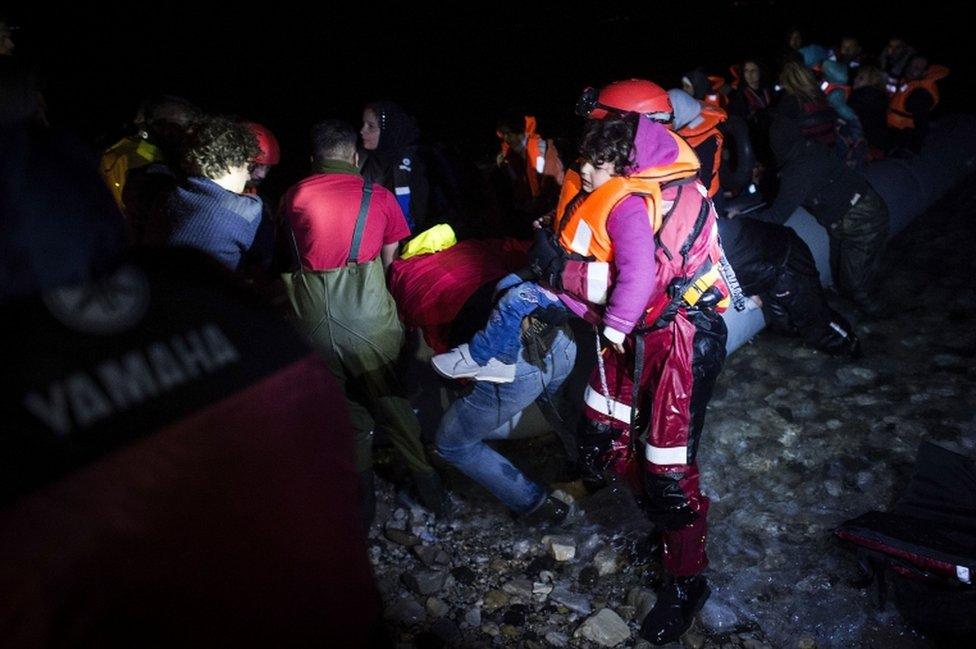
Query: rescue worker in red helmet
[
  {"x": 269, "y": 156},
  {"x": 675, "y": 354}
]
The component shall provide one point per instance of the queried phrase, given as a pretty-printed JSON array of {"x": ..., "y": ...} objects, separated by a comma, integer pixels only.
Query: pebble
[
  {"x": 437, "y": 607},
  {"x": 473, "y": 617},
  {"x": 605, "y": 628},
  {"x": 400, "y": 537},
  {"x": 521, "y": 588},
  {"x": 406, "y": 611},
  {"x": 557, "y": 639},
  {"x": 521, "y": 548},
  {"x": 572, "y": 601},
  {"x": 606, "y": 562},
  {"x": 561, "y": 548},
  {"x": 642, "y": 600},
  {"x": 425, "y": 582},
  {"x": 717, "y": 616},
  {"x": 495, "y": 599}
]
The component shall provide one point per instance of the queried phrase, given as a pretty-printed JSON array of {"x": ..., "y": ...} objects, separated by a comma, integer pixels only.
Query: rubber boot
[{"x": 677, "y": 603}]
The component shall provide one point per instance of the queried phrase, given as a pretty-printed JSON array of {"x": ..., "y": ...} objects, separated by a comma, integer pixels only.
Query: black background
[{"x": 456, "y": 66}]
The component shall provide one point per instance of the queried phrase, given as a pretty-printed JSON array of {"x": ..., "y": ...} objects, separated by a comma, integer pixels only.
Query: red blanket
[{"x": 431, "y": 289}]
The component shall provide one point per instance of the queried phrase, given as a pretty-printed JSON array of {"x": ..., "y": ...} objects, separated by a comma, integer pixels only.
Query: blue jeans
[
  {"x": 490, "y": 411},
  {"x": 501, "y": 336}
]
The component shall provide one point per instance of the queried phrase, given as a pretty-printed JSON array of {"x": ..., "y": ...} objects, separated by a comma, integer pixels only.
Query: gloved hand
[
  {"x": 666, "y": 505},
  {"x": 546, "y": 259}
]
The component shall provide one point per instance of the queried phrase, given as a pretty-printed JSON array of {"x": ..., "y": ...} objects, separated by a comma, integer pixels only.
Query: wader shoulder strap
[{"x": 357, "y": 233}]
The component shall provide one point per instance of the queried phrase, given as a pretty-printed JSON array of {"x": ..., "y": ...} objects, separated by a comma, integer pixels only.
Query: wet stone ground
[{"x": 795, "y": 443}]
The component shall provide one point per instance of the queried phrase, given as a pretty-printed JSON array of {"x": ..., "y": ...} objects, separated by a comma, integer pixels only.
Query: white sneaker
[{"x": 458, "y": 364}]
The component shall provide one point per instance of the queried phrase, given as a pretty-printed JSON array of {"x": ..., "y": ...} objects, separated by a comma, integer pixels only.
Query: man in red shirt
[{"x": 346, "y": 233}]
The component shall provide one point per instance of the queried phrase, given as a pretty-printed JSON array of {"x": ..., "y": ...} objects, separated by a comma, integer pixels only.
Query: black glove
[
  {"x": 666, "y": 504},
  {"x": 546, "y": 259}
]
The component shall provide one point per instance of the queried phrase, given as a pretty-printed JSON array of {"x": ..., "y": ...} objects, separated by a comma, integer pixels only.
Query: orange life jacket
[
  {"x": 716, "y": 97},
  {"x": 583, "y": 230},
  {"x": 898, "y": 115},
  {"x": 829, "y": 87},
  {"x": 736, "y": 76},
  {"x": 538, "y": 163},
  {"x": 708, "y": 128}
]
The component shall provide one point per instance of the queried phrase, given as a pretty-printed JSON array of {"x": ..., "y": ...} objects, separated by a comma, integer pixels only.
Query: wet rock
[
  {"x": 557, "y": 639},
  {"x": 642, "y": 600},
  {"x": 425, "y": 582},
  {"x": 833, "y": 487},
  {"x": 588, "y": 577},
  {"x": 718, "y": 617},
  {"x": 406, "y": 611},
  {"x": 605, "y": 628},
  {"x": 400, "y": 537},
  {"x": 473, "y": 617},
  {"x": 541, "y": 590},
  {"x": 495, "y": 599},
  {"x": 508, "y": 631},
  {"x": 437, "y": 607},
  {"x": 521, "y": 548},
  {"x": 852, "y": 375},
  {"x": 693, "y": 639},
  {"x": 806, "y": 642},
  {"x": 431, "y": 555},
  {"x": 606, "y": 562},
  {"x": 561, "y": 548},
  {"x": 464, "y": 575},
  {"x": 399, "y": 520},
  {"x": 490, "y": 629},
  {"x": 521, "y": 588},
  {"x": 447, "y": 631},
  {"x": 498, "y": 566},
  {"x": 573, "y": 601}
]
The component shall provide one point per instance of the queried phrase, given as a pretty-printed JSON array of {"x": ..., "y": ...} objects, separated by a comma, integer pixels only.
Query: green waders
[{"x": 351, "y": 319}]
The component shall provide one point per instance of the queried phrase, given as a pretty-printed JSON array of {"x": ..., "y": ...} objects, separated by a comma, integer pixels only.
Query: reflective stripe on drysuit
[{"x": 681, "y": 361}]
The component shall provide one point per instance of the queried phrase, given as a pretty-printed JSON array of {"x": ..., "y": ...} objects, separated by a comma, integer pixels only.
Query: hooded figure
[
  {"x": 393, "y": 161},
  {"x": 696, "y": 83},
  {"x": 687, "y": 110}
]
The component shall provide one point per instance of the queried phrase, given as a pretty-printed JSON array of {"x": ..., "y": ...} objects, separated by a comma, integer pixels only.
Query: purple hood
[{"x": 653, "y": 145}]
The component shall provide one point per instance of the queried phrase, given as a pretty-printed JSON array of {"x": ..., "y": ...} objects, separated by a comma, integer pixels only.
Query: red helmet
[
  {"x": 270, "y": 152},
  {"x": 630, "y": 96}
]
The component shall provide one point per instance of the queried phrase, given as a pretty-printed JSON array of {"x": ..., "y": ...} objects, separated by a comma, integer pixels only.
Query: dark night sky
[{"x": 456, "y": 67}]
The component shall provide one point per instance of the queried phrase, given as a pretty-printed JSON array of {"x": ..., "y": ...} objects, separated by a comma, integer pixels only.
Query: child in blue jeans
[{"x": 492, "y": 353}]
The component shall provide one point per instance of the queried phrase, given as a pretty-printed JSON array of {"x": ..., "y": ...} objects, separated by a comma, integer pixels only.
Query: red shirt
[{"x": 322, "y": 210}]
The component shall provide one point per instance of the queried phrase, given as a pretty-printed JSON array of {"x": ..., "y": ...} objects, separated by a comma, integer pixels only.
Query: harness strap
[
  {"x": 697, "y": 228},
  {"x": 357, "y": 233}
]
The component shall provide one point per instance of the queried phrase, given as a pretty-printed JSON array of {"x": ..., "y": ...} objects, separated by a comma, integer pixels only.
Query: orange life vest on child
[
  {"x": 681, "y": 216},
  {"x": 898, "y": 115}
]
